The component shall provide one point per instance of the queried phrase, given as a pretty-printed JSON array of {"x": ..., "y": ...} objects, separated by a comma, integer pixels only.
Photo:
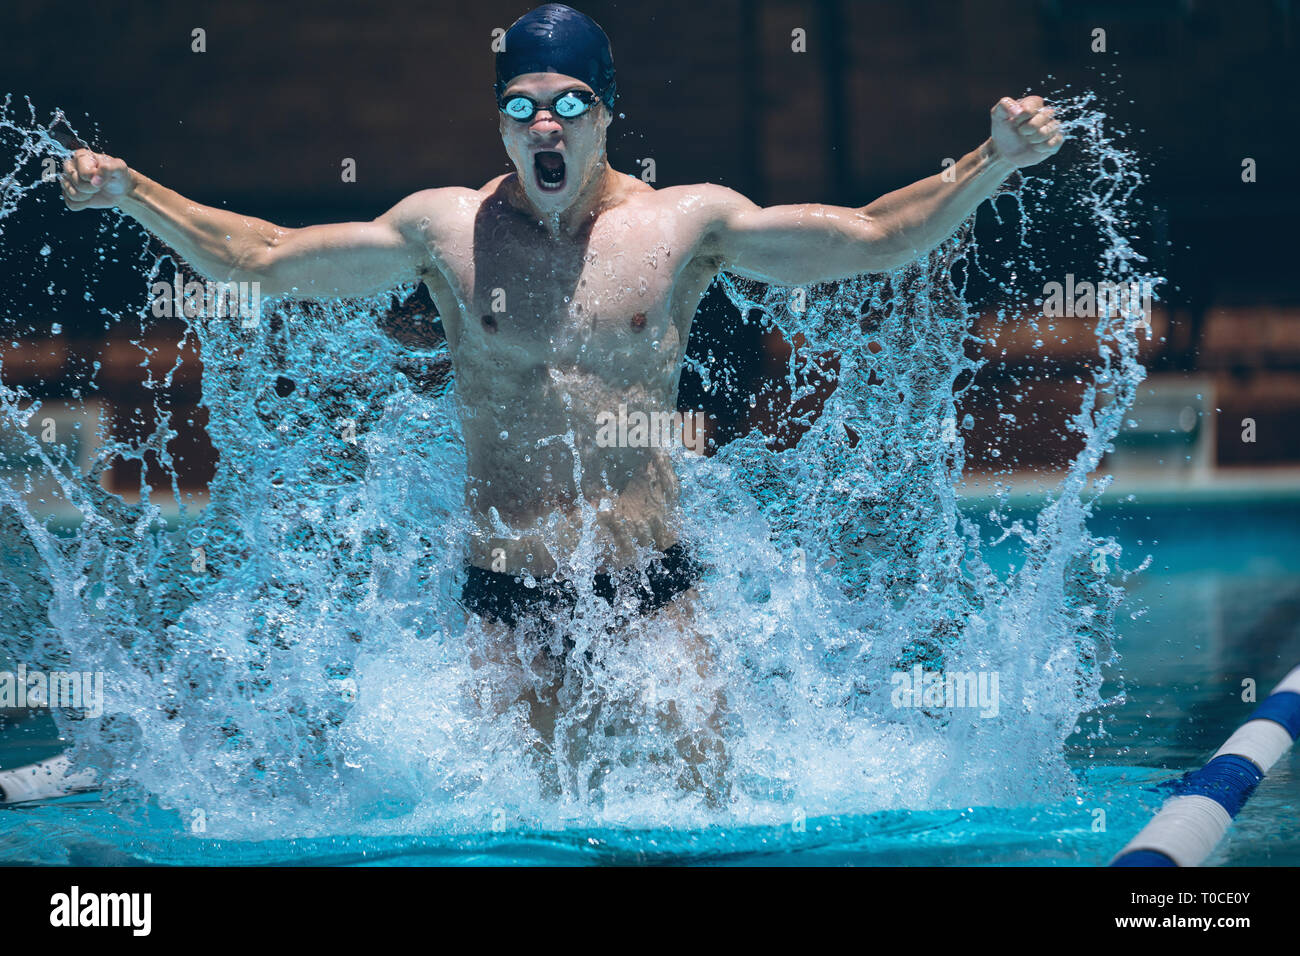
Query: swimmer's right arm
[{"x": 338, "y": 259}]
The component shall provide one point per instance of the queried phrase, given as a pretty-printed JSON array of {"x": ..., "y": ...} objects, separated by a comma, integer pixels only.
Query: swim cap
[{"x": 555, "y": 38}]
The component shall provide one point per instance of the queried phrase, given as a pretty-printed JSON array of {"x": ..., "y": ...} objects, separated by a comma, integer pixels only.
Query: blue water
[
  {"x": 289, "y": 677},
  {"x": 1222, "y": 602}
]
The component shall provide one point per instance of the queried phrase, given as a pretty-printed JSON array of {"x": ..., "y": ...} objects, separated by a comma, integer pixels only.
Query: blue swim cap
[{"x": 555, "y": 38}]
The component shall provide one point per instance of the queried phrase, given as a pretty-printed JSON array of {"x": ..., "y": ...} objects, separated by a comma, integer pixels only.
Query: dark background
[{"x": 712, "y": 91}]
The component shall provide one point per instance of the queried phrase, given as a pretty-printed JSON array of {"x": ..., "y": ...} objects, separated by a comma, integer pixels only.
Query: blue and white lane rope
[{"x": 1194, "y": 820}]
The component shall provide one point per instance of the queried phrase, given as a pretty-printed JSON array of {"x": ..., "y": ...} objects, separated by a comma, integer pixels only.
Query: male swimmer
[{"x": 600, "y": 275}]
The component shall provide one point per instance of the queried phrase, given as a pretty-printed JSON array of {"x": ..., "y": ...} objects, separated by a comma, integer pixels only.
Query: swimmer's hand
[
  {"x": 94, "y": 181},
  {"x": 1024, "y": 132}
]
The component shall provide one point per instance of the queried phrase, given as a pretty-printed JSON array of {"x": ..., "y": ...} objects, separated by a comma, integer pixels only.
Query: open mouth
[{"x": 549, "y": 166}]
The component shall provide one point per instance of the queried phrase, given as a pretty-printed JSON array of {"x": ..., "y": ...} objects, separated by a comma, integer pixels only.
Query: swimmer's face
[{"x": 555, "y": 156}]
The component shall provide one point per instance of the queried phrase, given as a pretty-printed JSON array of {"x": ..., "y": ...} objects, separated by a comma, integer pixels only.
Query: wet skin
[{"x": 560, "y": 304}]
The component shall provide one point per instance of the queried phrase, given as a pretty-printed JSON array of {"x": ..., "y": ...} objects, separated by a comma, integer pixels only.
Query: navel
[
  {"x": 489, "y": 323},
  {"x": 638, "y": 322}
]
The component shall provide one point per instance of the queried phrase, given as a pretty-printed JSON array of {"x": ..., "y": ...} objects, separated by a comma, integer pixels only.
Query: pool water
[
  {"x": 293, "y": 680},
  {"x": 1219, "y": 604}
]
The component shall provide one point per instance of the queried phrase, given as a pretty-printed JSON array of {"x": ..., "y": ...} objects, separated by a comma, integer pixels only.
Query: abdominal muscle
[
  {"x": 555, "y": 531},
  {"x": 616, "y": 532},
  {"x": 546, "y": 492}
]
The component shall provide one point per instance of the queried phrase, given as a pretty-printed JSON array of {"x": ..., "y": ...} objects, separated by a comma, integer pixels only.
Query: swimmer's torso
[{"x": 549, "y": 334}]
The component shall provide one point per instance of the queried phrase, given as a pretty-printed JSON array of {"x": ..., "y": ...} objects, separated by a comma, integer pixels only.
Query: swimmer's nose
[
  {"x": 545, "y": 136},
  {"x": 545, "y": 125}
]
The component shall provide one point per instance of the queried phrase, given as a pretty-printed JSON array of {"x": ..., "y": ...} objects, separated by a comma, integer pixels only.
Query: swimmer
[{"x": 566, "y": 290}]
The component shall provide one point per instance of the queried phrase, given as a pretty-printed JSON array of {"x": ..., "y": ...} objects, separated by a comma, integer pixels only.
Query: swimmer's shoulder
[
  {"x": 701, "y": 209},
  {"x": 703, "y": 202},
  {"x": 431, "y": 211},
  {"x": 492, "y": 185}
]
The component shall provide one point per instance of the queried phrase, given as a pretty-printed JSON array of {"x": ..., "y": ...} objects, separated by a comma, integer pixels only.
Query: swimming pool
[
  {"x": 1220, "y": 603},
  {"x": 293, "y": 679}
]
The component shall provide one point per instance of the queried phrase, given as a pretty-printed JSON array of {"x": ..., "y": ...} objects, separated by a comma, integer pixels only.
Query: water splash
[{"x": 291, "y": 658}]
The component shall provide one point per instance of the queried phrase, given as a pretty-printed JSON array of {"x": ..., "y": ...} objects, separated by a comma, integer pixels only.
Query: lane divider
[
  {"x": 40, "y": 781},
  {"x": 1193, "y": 821}
]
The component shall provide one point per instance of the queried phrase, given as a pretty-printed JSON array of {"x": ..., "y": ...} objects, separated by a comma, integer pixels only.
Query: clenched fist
[
  {"x": 1024, "y": 132},
  {"x": 94, "y": 180}
]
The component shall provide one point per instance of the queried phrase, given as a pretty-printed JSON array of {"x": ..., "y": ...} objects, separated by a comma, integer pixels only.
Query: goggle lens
[
  {"x": 570, "y": 105},
  {"x": 519, "y": 107}
]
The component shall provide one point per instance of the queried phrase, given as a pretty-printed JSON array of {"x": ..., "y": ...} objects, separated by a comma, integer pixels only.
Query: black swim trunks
[{"x": 506, "y": 598}]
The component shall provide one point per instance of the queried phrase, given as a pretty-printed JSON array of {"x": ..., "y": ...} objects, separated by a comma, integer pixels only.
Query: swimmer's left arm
[{"x": 809, "y": 243}]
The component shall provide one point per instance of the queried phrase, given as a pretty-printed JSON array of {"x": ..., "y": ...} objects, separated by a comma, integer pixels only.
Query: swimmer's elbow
[
  {"x": 267, "y": 259},
  {"x": 882, "y": 249}
]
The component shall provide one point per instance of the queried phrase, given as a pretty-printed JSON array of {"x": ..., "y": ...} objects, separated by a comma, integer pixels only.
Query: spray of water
[{"x": 313, "y": 672}]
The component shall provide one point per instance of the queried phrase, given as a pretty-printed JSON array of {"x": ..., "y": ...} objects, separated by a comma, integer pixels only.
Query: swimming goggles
[{"x": 568, "y": 105}]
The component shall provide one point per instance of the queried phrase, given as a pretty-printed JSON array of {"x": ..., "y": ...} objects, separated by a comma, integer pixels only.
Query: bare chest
[{"x": 608, "y": 302}]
